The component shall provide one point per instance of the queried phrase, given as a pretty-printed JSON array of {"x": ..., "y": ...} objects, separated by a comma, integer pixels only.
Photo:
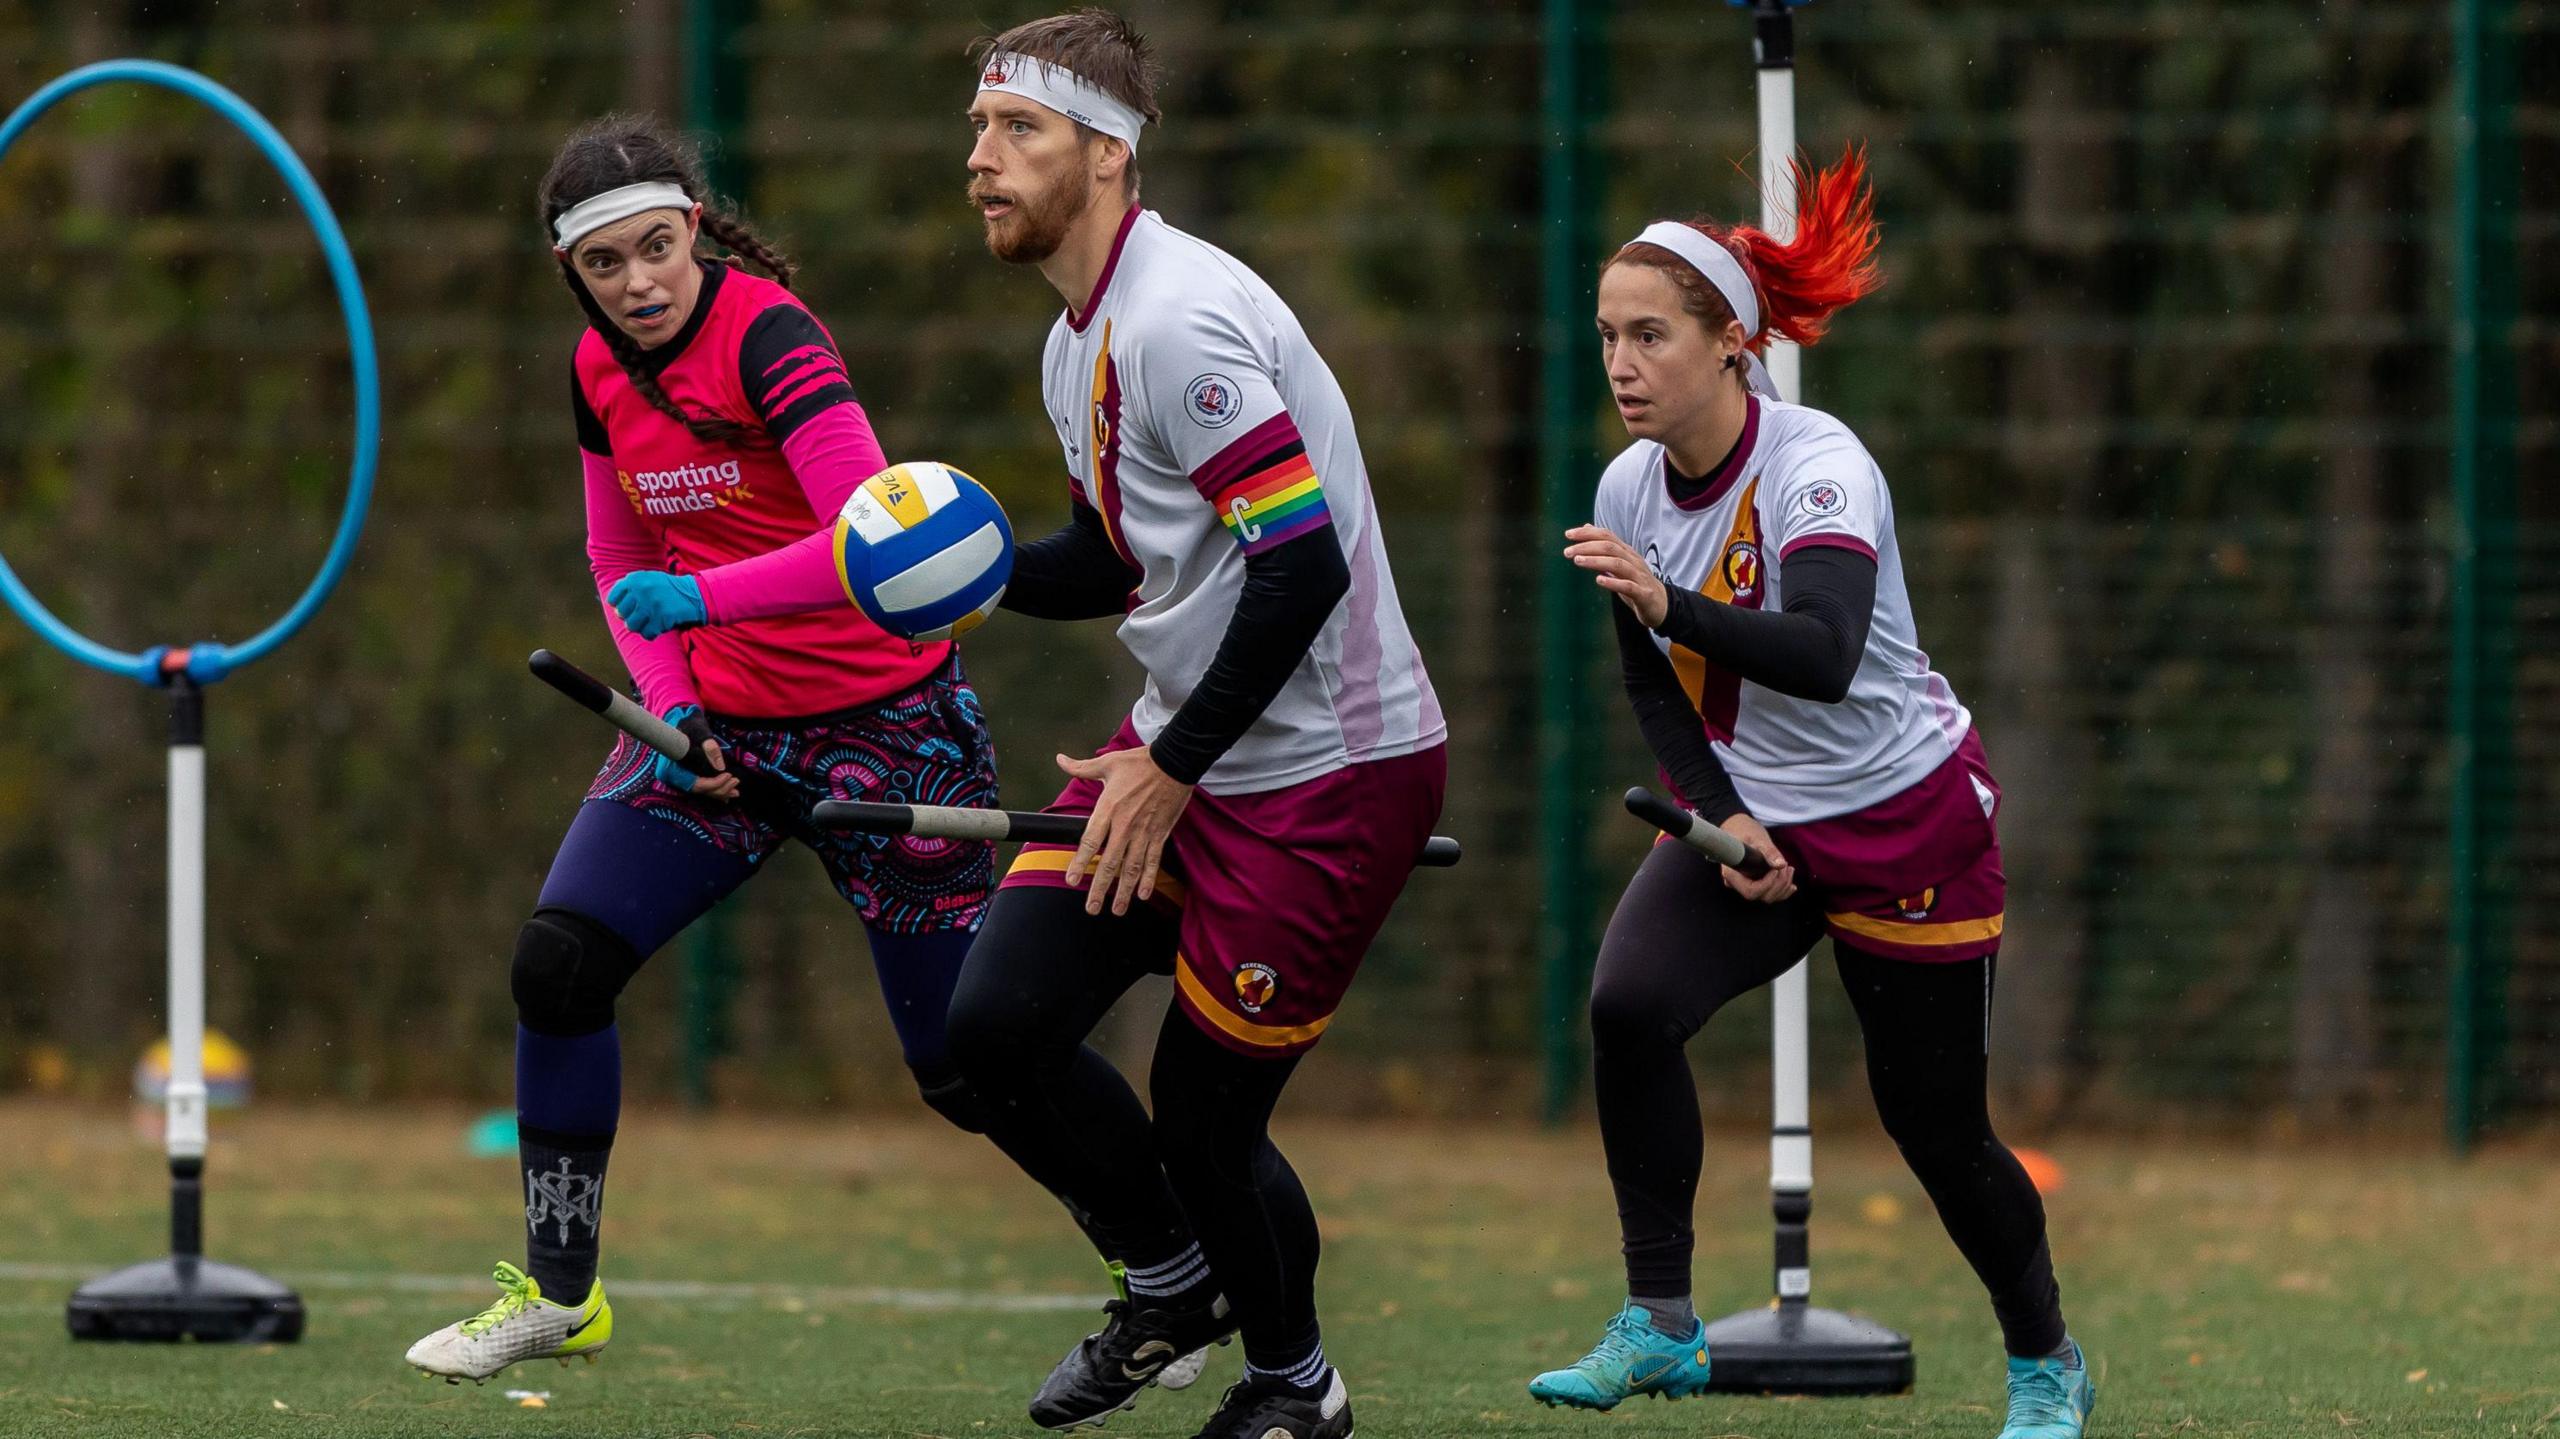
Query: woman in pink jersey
[
  {"x": 1766, "y": 637},
  {"x": 715, "y": 423}
]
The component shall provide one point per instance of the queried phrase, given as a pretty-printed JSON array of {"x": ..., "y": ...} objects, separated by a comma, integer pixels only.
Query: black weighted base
[
  {"x": 1799, "y": 1349},
  {"x": 166, "y": 1300}
]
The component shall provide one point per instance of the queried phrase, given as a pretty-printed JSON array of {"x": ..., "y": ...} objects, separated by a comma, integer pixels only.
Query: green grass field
[{"x": 2220, "y": 1288}]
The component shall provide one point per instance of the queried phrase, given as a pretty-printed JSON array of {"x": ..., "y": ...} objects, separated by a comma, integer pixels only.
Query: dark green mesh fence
[{"x": 2159, "y": 379}]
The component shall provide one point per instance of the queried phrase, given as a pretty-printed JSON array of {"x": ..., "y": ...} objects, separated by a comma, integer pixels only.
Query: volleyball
[{"x": 924, "y": 550}]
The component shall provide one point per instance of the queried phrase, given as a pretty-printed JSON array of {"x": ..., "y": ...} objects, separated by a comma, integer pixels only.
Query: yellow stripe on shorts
[
  {"x": 1265, "y": 1036},
  {"x": 1054, "y": 861},
  {"x": 1924, "y": 932}
]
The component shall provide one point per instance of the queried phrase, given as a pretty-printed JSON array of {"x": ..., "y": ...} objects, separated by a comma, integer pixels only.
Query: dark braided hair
[{"x": 618, "y": 150}]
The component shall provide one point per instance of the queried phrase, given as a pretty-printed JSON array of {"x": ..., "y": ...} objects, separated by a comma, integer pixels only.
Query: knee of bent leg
[
  {"x": 984, "y": 1036},
  {"x": 1627, "y": 1012},
  {"x": 568, "y": 971},
  {"x": 947, "y": 1092},
  {"x": 1937, "y": 1135}
]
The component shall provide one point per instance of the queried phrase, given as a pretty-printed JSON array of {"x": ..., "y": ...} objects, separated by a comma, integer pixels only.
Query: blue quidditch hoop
[{"x": 208, "y": 661}]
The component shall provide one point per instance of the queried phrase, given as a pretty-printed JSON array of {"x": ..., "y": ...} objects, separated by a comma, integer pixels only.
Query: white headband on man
[
  {"x": 1058, "y": 88},
  {"x": 597, "y": 211},
  {"x": 1724, "y": 272}
]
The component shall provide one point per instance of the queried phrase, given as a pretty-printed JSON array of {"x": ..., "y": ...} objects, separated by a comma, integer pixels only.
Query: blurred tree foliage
[{"x": 2158, "y": 379}]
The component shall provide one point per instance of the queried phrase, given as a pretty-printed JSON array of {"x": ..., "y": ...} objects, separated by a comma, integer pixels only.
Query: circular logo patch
[
  {"x": 1742, "y": 569},
  {"x": 1824, "y": 500},
  {"x": 1916, "y": 907},
  {"x": 1212, "y": 401},
  {"x": 1256, "y": 986}
]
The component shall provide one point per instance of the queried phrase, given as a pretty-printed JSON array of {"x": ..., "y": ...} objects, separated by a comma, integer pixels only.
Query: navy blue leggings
[{"x": 646, "y": 879}]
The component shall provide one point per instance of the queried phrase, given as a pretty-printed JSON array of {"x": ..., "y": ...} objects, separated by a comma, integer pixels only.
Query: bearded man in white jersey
[{"x": 1259, "y": 810}]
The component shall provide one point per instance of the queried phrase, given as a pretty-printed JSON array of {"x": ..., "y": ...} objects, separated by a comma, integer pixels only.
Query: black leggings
[
  {"x": 1041, "y": 975},
  {"x": 1679, "y": 947}
]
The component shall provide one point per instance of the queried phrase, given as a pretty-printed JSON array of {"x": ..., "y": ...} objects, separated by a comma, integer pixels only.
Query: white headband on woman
[
  {"x": 1724, "y": 272},
  {"x": 1058, "y": 88},
  {"x": 597, "y": 211}
]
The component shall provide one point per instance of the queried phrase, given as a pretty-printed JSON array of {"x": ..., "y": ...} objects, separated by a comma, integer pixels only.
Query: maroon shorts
[
  {"x": 1917, "y": 876},
  {"x": 1279, "y": 893}
]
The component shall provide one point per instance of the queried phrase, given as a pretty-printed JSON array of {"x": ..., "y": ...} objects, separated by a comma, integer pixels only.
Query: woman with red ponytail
[{"x": 1769, "y": 653}]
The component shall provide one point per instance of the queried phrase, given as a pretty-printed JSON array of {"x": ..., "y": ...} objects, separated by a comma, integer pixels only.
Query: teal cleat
[
  {"x": 1632, "y": 1358},
  {"x": 2050, "y": 1398}
]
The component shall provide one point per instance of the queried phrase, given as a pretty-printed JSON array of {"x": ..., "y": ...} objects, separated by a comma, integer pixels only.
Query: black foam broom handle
[
  {"x": 1012, "y": 825},
  {"x": 1696, "y": 833},
  {"x": 620, "y": 710}
]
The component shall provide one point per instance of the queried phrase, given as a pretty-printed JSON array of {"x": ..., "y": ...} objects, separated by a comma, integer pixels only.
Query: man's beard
[{"x": 1032, "y": 233}]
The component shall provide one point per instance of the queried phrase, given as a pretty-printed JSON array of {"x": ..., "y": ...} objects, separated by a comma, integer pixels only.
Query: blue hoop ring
[{"x": 209, "y": 661}]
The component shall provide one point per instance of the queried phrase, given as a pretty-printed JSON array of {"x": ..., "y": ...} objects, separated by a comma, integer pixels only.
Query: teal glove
[
  {"x": 653, "y": 602},
  {"x": 674, "y": 776}
]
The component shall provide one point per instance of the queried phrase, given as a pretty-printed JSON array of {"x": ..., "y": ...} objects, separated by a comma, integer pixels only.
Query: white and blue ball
[{"x": 924, "y": 550}]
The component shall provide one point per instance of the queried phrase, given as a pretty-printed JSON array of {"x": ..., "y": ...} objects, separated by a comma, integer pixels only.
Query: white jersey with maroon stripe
[
  {"x": 1798, "y": 478},
  {"x": 1200, "y": 422}
]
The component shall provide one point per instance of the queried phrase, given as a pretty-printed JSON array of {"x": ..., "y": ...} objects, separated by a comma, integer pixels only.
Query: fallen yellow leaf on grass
[{"x": 2415, "y": 1375}]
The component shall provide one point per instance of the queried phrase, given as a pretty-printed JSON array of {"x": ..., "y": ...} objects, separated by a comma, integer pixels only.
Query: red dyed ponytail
[{"x": 1829, "y": 265}]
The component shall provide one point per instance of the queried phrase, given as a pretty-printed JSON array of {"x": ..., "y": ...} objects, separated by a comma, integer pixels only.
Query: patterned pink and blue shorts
[{"x": 927, "y": 746}]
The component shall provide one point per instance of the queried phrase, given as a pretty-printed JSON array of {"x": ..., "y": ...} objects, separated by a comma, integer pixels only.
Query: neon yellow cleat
[{"x": 521, "y": 1325}]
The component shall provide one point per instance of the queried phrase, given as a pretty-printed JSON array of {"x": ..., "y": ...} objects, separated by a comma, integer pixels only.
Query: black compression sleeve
[
  {"x": 1809, "y": 650},
  {"x": 1073, "y": 574},
  {"x": 788, "y": 365},
  {"x": 1290, "y": 590},
  {"x": 1670, "y": 723}
]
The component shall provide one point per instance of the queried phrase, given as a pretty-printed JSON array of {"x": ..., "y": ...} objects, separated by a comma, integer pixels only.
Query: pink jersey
[{"x": 659, "y": 499}]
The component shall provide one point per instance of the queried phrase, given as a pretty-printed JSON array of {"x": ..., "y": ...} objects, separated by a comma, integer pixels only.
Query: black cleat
[
  {"x": 1267, "y": 1409},
  {"x": 1103, "y": 1375}
]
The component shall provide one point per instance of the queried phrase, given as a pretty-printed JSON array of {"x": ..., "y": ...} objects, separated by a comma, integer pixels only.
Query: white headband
[
  {"x": 1725, "y": 273},
  {"x": 1063, "y": 90},
  {"x": 597, "y": 211}
]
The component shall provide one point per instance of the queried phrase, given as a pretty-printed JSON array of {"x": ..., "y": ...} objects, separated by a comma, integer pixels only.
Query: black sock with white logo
[{"x": 563, "y": 1207}]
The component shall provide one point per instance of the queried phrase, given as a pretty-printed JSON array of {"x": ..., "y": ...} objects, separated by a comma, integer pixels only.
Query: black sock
[
  {"x": 1178, "y": 1281},
  {"x": 563, "y": 1205},
  {"x": 1302, "y": 1369}
]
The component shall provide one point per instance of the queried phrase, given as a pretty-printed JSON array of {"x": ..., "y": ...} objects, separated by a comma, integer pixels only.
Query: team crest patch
[
  {"x": 1212, "y": 401},
  {"x": 1824, "y": 500},
  {"x": 995, "y": 75},
  {"x": 1256, "y": 986},
  {"x": 1916, "y": 907},
  {"x": 1742, "y": 569}
]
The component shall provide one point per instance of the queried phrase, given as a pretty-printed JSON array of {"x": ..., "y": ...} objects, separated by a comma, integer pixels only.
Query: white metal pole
[
  {"x": 1778, "y": 200},
  {"x": 186, "y": 1138},
  {"x": 1790, "y": 1125}
]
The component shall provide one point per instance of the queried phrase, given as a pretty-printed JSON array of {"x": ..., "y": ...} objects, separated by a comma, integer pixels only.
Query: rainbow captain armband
[{"x": 1265, "y": 487}]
